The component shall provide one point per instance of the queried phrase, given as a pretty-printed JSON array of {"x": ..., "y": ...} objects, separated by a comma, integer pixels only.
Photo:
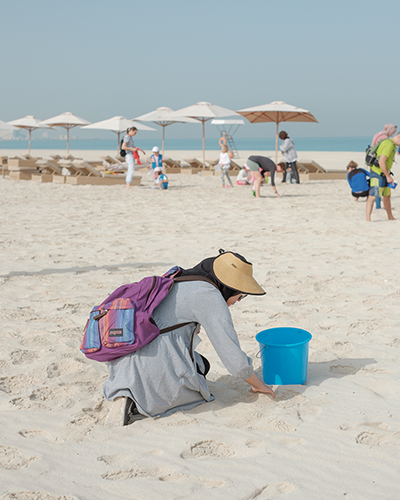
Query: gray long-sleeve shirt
[
  {"x": 162, "y": 376},
  {"x": 287, "y": 147}
]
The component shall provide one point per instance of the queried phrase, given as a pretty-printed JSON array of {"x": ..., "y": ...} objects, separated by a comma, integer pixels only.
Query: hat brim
[{"x": 236, "y": 274}]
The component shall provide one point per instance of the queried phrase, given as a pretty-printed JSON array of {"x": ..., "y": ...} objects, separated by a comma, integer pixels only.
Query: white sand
[{"x": 64, "y": 248}]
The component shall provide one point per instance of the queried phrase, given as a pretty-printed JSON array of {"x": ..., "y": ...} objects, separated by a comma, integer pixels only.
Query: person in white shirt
[
  {"x": 244, "y": 176},
  {"x": 225, "y": 164}
]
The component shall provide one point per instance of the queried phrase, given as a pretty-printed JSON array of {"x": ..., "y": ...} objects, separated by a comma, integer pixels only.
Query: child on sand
[
  {"x": 156, "y": 161},
  {"x": 225, "y": 164},
  {"x": 358, "y": 179},
  {"x": 161, "y": 180},
  {"x": 244, "y": 176}
]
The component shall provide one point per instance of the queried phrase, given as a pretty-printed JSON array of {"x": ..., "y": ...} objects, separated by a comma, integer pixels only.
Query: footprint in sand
[
  {"x": 16, "y": 384},
  {"x": 343, "y": 369},
  {"x": 272, "y": 490},
  {"x": 35, "y": 495},
  {"x": 21, "y": 357},
  {"x": 39, "y": 433},
  {"x": 207, "y": 449},
  {"x": 378, "y": 439},
  {"x": 12, "y": 459}
]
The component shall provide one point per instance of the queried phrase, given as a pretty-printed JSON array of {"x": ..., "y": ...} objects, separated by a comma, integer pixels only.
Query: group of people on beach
[
  {"x": 156, "y": 167},
  {"x": 257, "y": 169},
  {"x": 377, "y": 183}
]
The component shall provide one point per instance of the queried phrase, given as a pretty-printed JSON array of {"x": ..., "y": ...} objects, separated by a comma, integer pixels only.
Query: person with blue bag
[
  {"x": 167, "y": 374},
  {"x": 381, "y": 181}
]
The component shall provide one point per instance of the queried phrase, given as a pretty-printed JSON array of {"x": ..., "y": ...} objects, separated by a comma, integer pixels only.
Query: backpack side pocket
[
  {"x": 117, "y": 326},
  {"x": 91, "y": 337}
]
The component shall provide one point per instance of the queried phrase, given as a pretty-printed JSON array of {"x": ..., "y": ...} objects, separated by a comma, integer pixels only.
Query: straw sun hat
[{"x": 234, "y": 273}]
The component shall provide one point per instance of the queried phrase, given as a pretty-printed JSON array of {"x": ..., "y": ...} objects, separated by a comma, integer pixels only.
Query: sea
[{"x": 351, "y": 144}]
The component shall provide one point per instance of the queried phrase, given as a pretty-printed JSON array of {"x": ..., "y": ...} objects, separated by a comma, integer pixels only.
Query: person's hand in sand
[{"x": 258, "y": 386}]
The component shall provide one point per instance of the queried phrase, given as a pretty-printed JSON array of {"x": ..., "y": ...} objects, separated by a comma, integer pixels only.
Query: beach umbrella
[
  {"x": 117, "y": 124},
  {"x": 65, "y": 120},
  {"x": 203, "y": 112},
  {"x": 164, "y": 117},
  {"x": 277, "y": 112},
  {"x": 6, "y": 126},
  {"x": 28, "y": 123}
]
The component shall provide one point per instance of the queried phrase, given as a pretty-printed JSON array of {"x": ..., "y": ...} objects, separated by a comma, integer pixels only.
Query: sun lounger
[
  {"x": 21, "y": 168},
  {"x": 312, "y": 171},
  {"x": 47, "y": 170},
  {"x": 235, "y": 167},
  {"x": 171, "y": 166},
  {"x": 95, "y": 177},
  {"x": 71, "y": 168},
  {"x": 86, "y": 168},
  {"x": 196, "y": 165},
  {"x": 310, "y": 166}
]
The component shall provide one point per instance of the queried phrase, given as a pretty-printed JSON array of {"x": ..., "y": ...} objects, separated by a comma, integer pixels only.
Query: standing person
[
  {"x": 290, "y": 154},
  {"x": 156, "y": 160},
  {"x": 168, "y": 375},
  {"x": 129, "y": 147},
  {"x": 388, "y": 130},
  {"x": 225, "y": 164},
  {"x": 358, "y": 180},
  {"x": 381, "y": 177},
  {"x": 255, "y": 163}
]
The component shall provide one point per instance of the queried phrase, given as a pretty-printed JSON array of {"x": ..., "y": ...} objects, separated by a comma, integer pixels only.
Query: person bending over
[{"x": 255, "y": 163}]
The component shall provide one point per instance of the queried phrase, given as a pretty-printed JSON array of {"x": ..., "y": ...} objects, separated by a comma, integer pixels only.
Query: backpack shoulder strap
[
  {"x": 194, "y": 278},
  {"x": 183, "y": 279}
]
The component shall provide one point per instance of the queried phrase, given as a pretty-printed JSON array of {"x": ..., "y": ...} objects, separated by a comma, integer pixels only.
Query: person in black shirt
[{"x": 255, "y": 163}]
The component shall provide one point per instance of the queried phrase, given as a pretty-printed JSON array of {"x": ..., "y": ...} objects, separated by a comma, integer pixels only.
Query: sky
[{"x": 101, "y": 58}]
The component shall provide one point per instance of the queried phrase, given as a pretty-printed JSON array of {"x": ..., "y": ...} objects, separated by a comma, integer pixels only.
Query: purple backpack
[{"x": 123, "y": 322}]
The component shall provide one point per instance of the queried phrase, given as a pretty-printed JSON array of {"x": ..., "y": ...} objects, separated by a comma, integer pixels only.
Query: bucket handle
[{"x": 259, "y": 356}]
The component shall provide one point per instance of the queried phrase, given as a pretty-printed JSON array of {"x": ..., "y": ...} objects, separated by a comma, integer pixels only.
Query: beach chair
[
  {"x": 4, "y": 169},
  {"x": 310, "y": 166},
  {"x": 96, "y": 178},
  {"x": 171, "y": 166},
  {"x": 314, "y": 172},
  {"x": 235, "y": 167},
  {"x": 21, "y": 168},
  {"x": 47, "y": 170},
  {"x": 196, "y": 165},
  {"x": 71, "y": 168}
]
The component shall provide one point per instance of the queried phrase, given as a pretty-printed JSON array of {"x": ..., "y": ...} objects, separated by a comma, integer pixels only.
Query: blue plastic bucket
[{"x": 284, "y": 355}]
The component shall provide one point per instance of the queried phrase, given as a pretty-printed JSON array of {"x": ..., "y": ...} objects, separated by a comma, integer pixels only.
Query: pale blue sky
[{"x": 100, "y": 58}]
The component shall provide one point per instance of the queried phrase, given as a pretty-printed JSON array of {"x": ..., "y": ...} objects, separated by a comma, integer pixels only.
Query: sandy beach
[{"x": 65, "y": 248}]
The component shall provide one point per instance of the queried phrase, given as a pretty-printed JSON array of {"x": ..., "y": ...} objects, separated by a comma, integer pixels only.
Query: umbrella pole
[
  {"x": 204, "y": 144},
  {"x": 30, "y": 131},
  {"x": 118, "y": 142},
  {"x": 276, "y": 143},
  {"x": 67, "y": 141},
  {"x": 163, "y": 140}
]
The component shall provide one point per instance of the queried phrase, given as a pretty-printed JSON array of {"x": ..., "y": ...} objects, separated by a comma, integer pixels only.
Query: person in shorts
[
  {"x": 255, "y": 163},
  {"x": 381, "y": 176}
]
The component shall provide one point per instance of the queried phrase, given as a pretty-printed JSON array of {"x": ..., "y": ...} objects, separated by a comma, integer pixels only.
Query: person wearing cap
[
  {"x": 156, "y": 160},
  {"x": 161, "y": 180},
  {"x": 168, "y": 375},
  {"x": 129, "y": 147}
]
